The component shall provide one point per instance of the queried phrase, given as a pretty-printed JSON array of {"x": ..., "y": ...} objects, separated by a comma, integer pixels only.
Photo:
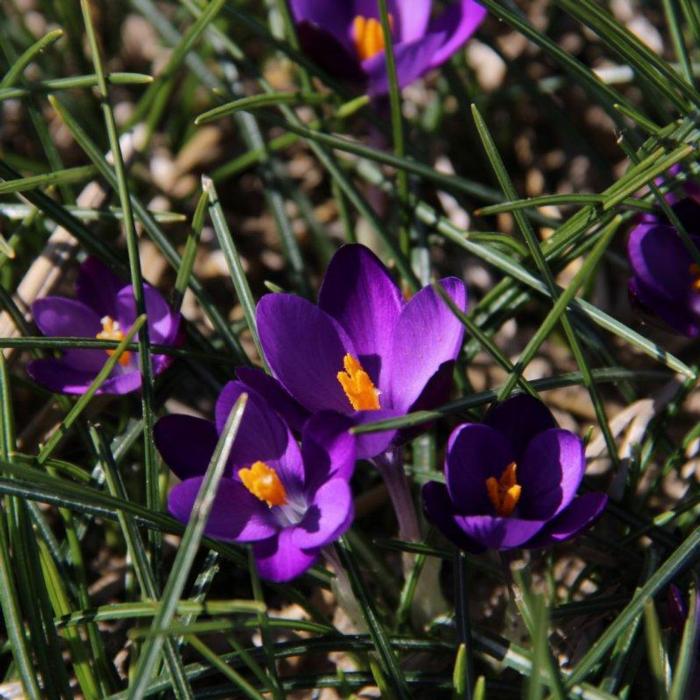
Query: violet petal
[
  {"x": 293, "y": 413},
  {"x": 163, "y": 322},
  {"x": 359, "y": 293},
  {"x": 459, "y": 21},
  {"x": 580, "y": 514},
  {"x": 236, "y": 515},
  {"x": 440, "y": 511},
  {"x": 370, "y": 445},
  {"x": 550, "y": 473},
  {"x": 262, "y": 436},
  {"x": 475, "y": 453},
  {"x": 412, "y": 58},
  {"x": 427, "y": 335},
  {"x": 97, "y": 287},
  {"x": 279, "y": 559},
  {"x": 499, "y": 533},
  {"x": 519, "y": 419},
  {"x": 60, "y": 377},
  {"x": 328, "y": 449},
  {"x": 186, "y": 444},
  {"x": 304, "y": 347},
  {"x": 327, "y": 516}
]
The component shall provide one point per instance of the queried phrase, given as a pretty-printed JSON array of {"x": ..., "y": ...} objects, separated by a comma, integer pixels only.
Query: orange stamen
[
  {"x": 695, "y": 272},
  {"x": 262, "y": 481},
  {"x": 112, "y": 331},
  {"x": 368, "y": 36},
  {"x": 358, "y": 386},
  {"x": 504, "y": 493}
]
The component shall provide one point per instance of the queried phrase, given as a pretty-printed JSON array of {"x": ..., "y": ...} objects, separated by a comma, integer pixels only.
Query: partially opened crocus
[
  {"x": 665, "y": 278},
  {"x": 345, "y": 37},
  {"x": 363, "y": 351},
  {"x": 288, "y": 502},
  {"x": 512, "y": 481},
  {"x": 105, "y": 309}
]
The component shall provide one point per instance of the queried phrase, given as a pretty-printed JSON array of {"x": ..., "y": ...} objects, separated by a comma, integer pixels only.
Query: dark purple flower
[
  {"x": 363, "y": 351},
  {"x": 105, "y": 309},
  {"x": 288, "y": 502},
  {"x": 345, "y": 37},
  {"x": 665, "y": 280},
  {"x": 511, "y": 482}
]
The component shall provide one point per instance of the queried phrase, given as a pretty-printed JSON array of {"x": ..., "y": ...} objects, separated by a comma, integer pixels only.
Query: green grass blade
[
  {"x": 149, "y": 224},
  {"x": 55, "y": 178},
  {"x": 656, "y": 653},
  {"x": 389, "y": 662},
  {"x": 9, "y": 598},
  {"x": 187, "y": 550},
  {"x": 80, "y": 655},
  {"x": 77, "y": 81},
  {"x": 80, "y": 405},
  {"x": 139, "y": 559},
  {"x": 15, "y": 72},
  {"x": 248, "y": 104},
  {"x": 553, "y": 317},
  {"x": 228, "y": 246},
  {"x": 687, "y": 662},
  {"x": 218, "y": 663},
  {"x": 466, "y": 679},
  {"x": 683, "y": 556},
  {"x": 397, "y": 127}
]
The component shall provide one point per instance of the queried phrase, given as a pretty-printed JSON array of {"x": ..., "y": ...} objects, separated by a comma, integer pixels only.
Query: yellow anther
[
  {"x": 358, "y": 386},
  {"x": 262, "y": 481},
  {"x": 695, "y": 272},
  {"x": 368, "y": 36},
  {"x": 504, "y": 493},
  {"x": 111, "y": 330}
]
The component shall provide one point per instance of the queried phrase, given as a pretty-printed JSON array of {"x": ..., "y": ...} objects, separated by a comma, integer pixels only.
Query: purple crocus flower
[
  {"x": 665, "y": 279},
  {"x": 511, "y": 482},
  {"x": 363, "y": 351},
  {"x": 345, "y": 37},
  {"x": 105, "y": 309},
  {"x": 288, "y": 502}
]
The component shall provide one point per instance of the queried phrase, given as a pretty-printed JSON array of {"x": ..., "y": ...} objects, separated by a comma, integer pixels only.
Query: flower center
[
  {"x": 358, "y": 386},
  {"x": 368, "y": 36},
  {"x": 262, "y": 481},
  {"x": 504, "y": 493},
  {"x": 111, "y": 330},
  {"x": 695, "y": 277}
]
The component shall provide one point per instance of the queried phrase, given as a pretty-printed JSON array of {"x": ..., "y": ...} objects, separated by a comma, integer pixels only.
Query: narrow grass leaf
[
  {"x": 188, "y": 550},
  {"x": 57, "y": 177},
  {"x": 687, "y": 661},
  {"x": 17, "y": 68},
  {"x": 233, "y": 261},
  {"x": 656, "y": 653},
  {"x": 9, "y": 599},
  {"x": 253, "y": 102},
  {"x": 139, "y": 559},
  {"x": 80, "y": 405},
  {"x": 389, "y": 662}
]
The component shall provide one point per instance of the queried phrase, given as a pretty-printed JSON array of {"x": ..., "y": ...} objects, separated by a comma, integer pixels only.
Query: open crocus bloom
[
  {"x": 512, "y": 482},
  {"x": 363, "y": 351},
  {"x": 105, "y": 309},
  {"x": 289, "y": 502},
  {"x": 665, "y": 279},
  {"x": 345, "y": 37}
]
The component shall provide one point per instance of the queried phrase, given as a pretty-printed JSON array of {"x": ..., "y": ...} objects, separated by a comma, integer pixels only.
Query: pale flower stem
[
  {"x": 428, "y": 601},
  {"x": 391, "y": 469},
  {"x": 342, "y": 589}
]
